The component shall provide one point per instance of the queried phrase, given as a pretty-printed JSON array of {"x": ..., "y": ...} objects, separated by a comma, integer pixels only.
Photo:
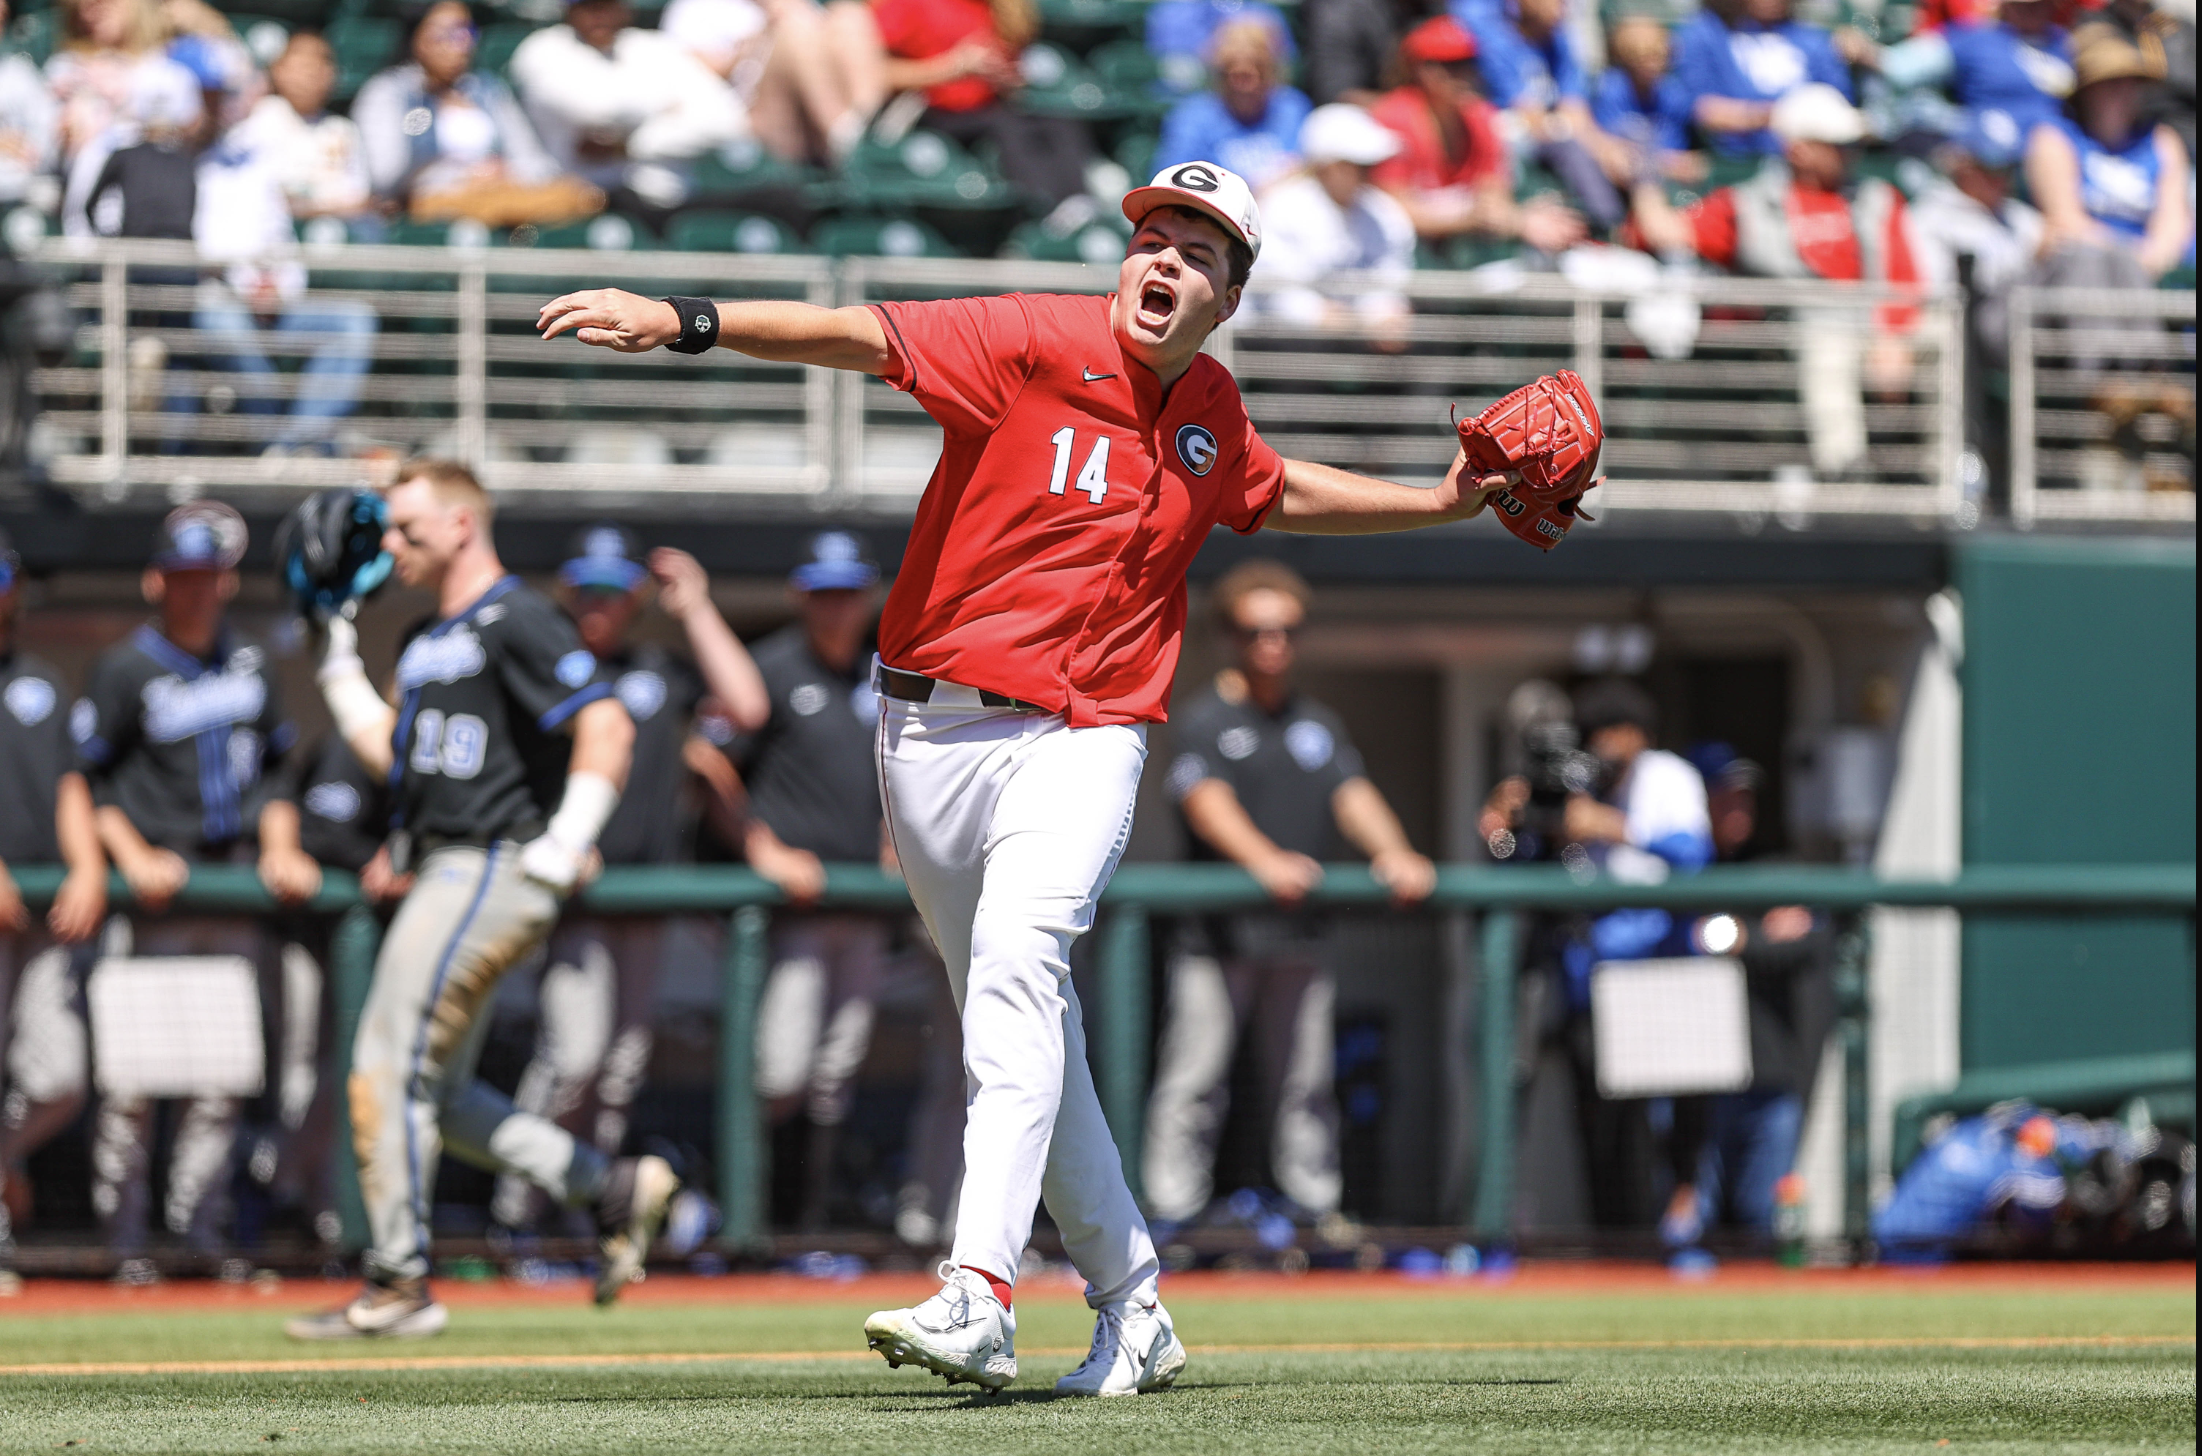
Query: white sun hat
[
  {"x": 1341, "y": 132},
  {"x": 1817, "y": 113},
  {"x": 1222, "y": 194}
]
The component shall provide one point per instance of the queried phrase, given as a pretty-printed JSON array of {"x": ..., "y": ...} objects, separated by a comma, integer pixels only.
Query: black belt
[{"x": 916, "y": 687}]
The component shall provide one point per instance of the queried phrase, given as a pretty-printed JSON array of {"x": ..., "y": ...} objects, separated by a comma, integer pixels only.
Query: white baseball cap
[
  {"x": 1817, "y": 113},
  {"x": 1222, "y": 194},
  {"x": 1341, "y": 132}
]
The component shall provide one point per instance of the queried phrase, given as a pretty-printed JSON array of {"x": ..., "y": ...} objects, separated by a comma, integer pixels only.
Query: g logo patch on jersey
[
  {"x": 643, "y": 693},
  {"x": 337, "y": 802},
  {"x": 1197, "y": 448},
  {"x": 31, "y": 700},
  {"x": 1310, "y": 744},
  {"x": 808, "y": 699},
  {"x": 575, "y": 668}
]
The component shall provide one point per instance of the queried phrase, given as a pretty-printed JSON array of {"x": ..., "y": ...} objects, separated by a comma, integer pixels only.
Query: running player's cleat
[
  {"x": 961, "y": 1333},
  {"x": 1135, "y": 1350},
  {"x": 404, "y": 1310},
  {"x": 629, "y": 1210}
]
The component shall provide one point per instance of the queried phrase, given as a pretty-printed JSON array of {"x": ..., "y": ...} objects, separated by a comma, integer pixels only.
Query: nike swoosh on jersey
[{"x": 1093, "y": 378}]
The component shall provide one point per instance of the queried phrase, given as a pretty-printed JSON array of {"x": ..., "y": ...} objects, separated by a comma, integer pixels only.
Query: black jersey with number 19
[{"x": 488, "y": 697}]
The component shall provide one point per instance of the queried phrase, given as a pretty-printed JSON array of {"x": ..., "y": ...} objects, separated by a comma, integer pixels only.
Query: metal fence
[
  {"x": 1121, "y": 1013},
  {"x": 1720, "y": 394},
  {"x": 2102, "y": 389}
]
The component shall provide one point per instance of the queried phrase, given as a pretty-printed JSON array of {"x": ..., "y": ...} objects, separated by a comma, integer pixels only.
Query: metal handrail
[
  {"x": 1555, "y": 321},
  {"x": 1123, "y": 968}
]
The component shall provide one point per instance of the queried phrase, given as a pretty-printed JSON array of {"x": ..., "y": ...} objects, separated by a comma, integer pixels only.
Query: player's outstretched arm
[
  {"x": 1321, "y": 501},
  {"x": 783, "y": 332}
]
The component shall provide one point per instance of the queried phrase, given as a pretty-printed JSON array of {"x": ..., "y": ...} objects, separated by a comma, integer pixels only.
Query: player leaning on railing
[
  {"x": 497, "y": 821},
  {"x": 1027, "y": 643}
]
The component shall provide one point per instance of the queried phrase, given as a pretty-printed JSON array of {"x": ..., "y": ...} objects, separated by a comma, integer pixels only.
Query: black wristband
[{"x": 699, "y": 325}]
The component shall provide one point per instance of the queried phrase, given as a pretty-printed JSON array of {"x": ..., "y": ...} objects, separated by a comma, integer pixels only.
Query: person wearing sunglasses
[{"x": 1264, "y": 777}]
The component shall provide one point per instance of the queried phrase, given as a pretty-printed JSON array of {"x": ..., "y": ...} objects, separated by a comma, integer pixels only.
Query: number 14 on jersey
[{"x": 1093, "y": 476}]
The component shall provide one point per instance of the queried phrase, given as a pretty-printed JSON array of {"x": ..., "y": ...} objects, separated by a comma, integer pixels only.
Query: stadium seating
[
  {"x": 880, "y": 238},
  {"x": 730, "y": 232}
]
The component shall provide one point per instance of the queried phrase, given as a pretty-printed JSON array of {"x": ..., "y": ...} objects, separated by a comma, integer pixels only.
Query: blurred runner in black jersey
[
  {"x": 593, "y": 1030},
  {"x": 182, "y": 736},
  {"x": 507, "y": 750},
  {"x": 45, "y": 818}
]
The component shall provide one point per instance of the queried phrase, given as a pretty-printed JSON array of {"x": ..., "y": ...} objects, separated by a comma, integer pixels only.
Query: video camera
[{"x": 1557, "y": 768}]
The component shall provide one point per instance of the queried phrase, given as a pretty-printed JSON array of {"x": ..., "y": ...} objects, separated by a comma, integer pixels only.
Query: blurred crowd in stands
[{"x": 1529, "y": 123}]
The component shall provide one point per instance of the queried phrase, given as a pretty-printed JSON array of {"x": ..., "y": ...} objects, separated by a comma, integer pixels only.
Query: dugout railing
[
  {"x": 1499, "y": 900},
  {"x": 1706, "y": 383}
]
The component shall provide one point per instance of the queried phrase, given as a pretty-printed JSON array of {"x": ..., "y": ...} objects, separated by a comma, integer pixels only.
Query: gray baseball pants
[
  {"x": 42, "y": 1033},
  {"x": 471, "y": 917}
]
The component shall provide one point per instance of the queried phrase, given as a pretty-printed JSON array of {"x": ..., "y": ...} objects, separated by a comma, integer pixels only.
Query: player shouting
[
  {"x": 1028, "y": 641},
  {"x": 497, "y": 819}
]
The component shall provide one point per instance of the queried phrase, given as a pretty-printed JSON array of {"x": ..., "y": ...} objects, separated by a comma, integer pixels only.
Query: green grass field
[{"x": 1546, "y": 1367}]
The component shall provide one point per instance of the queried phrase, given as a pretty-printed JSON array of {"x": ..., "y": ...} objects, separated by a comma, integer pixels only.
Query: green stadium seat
[
  {"x": 1100, "y": 243},
  {"x": 879, "y": 238},
  {"x": 263, "y": 35},
  {"x": 1132, "y": 77},
  {"x": 494, "y": 53},
  {"x": 34, "y": 35},
  {"x": 730, "y": 232},
  {"x": 606, "y": 233},
  {"x": 1057, "y": 83},
  {"x": 1136, "y": 154},
  {"x": 464, "y": 233},
  {"x": 924, "y": 169},
  {"x": 1094, "y": 17},
  {"x": 745, "y": 166},
  {"x": 363, "y": 46}
]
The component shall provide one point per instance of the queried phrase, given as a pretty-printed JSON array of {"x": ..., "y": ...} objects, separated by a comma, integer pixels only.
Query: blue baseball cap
[
  {"x": 201, "y": 536},
  {"x": 604, "y": 555},
  {"x": 836, "y": 564}
]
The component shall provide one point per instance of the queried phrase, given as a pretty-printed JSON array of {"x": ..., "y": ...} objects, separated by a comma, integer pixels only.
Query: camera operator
[
  {"x": 1637, "y": 813},
  {"x": 1729, "y": 1152}
]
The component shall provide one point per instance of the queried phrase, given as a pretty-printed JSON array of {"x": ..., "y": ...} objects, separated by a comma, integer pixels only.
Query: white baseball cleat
[
  {"x": 629, "y": 1210},
  {"x": 404, "y": 1310},
  {"x": 1135, "y": 1350},
  {"x": 961, "y": 1333}
]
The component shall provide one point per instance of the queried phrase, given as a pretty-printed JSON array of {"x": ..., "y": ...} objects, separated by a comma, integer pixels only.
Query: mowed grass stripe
[{"x": 782, "y": 1357}]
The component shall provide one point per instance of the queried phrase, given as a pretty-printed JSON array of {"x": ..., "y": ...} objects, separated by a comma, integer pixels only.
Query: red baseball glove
[{"x": 1549, "y": 432}]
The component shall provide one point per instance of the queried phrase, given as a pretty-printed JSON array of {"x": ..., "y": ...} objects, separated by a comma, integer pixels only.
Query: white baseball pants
[{"x": 1008, "y": 825}]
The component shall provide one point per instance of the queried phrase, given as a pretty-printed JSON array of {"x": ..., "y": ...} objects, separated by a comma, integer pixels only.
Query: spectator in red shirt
[
  {"x": 1452, "y": 174},
  {"x": 1802, "y": 216},
  {"x": 962, "y": 54}
]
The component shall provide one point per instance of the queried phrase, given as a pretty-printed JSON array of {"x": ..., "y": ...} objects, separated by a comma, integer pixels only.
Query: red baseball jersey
[{"x": 1049, "y": 554}]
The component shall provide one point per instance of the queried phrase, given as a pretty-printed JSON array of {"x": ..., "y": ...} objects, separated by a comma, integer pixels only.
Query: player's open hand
[
  {"x": 683, "y": 586},
  {"x": 610, "y": 318}
]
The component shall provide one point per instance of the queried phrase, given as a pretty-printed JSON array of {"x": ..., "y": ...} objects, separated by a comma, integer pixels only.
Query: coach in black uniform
[
  {"x": 45, "y": 816},
  {"x": 182, "y": 737},
  {"x": 507, "y": 751},
  {"x": 814, "y": 800},
  {"x": 1264, "y": 777},
  {"x": 593, "y": 1035}
]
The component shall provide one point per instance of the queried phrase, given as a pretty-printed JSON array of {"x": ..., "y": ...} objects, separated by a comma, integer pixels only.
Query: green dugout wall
[{"x": 2079, "y": 747}]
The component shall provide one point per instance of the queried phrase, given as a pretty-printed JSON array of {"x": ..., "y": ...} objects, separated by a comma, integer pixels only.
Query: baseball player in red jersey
[{"x": 1029, "y": 640}]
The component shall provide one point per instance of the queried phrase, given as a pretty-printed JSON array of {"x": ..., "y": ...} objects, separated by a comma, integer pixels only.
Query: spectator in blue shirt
[
  {"x": 1642, "y": 106},
  {"x": 1530, "y": 73},
  {"x": 1180, "y": 32},
  {"x": 2011, "y": 73},
  {"x": 1248, "y": 123},
  {"x": 1736, "y": 58}
]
